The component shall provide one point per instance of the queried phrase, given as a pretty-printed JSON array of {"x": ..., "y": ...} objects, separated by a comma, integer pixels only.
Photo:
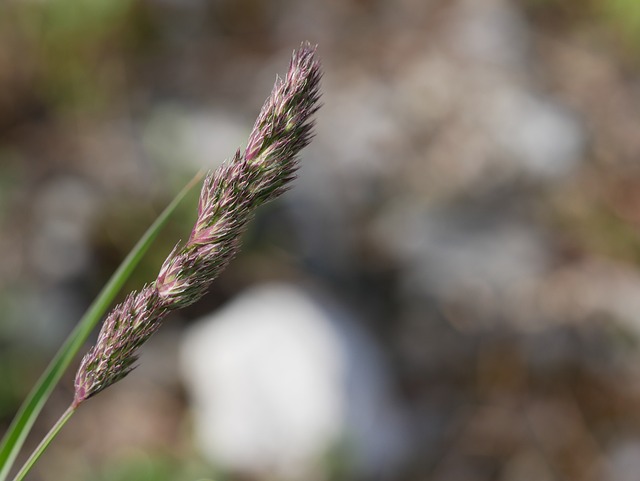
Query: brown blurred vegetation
[{"x": 503, "y": 291}]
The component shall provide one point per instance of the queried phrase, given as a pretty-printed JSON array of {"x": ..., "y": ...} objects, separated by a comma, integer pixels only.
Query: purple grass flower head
[{"x": 227, "y": 203}]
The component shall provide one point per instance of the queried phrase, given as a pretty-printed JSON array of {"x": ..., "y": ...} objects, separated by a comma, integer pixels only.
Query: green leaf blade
[{"x": 19, "y": 429}]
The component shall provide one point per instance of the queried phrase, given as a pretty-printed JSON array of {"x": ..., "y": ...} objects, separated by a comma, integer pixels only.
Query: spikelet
[{"x": 227, "y": 203}]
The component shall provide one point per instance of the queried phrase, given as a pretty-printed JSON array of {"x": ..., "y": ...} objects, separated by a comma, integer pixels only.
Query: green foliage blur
[{"x": 65, "y": 53}]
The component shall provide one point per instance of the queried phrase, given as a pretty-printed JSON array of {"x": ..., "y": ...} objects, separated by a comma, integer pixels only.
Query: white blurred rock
[
  {"x": 277, "y": 382},
  {"x": 623, "y": 462},
  {"x": 466, "y": 256},
  {"x": 63, "y": 211},
  {"x": 175, "y": 135},
  {"x": 492, "y": 32},
  {"x": 537, "y": 133}
]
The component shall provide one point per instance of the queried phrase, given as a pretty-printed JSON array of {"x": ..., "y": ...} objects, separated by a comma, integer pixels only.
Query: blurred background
[{"x": 451, "y": 291}]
